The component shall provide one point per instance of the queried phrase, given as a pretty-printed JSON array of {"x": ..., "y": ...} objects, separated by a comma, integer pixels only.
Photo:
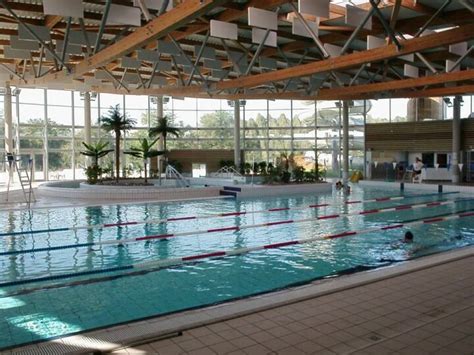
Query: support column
[
  {"x": 455, "y": 173},
  {"x": 7, "y": 109},
  {"x": 46, "y": 138},
  {"x": 161, "y": 146},
  {"x": 345, "y": 142},
  {"x": 87, "y": 122},
  {"x": 237, "y": 134}
]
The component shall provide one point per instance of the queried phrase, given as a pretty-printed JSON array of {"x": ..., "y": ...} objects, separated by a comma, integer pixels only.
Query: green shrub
[{"x": 93, "y": 173}]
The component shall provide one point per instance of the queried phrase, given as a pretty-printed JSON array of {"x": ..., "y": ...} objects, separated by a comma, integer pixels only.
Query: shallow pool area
[{"x": 96, "y": 274}]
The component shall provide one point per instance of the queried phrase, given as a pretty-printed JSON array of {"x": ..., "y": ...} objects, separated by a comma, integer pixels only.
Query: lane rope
[
  {"x": 209, "y": 216},
  {"x": 166, "y": 263},
  {"x": 233, "y": 228}
]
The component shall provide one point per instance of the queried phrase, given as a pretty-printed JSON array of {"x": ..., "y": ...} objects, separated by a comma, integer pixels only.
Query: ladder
[
  {"x": 24, "y": 176},
  {"x": 172, "y": 173}
]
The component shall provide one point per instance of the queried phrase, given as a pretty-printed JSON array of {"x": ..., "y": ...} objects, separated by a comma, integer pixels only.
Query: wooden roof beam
[
  {"x": 448, "y": 37},
  {"x": 350, "y": 91}
]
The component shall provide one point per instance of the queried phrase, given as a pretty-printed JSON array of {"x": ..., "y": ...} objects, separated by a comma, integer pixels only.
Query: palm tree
[
  {"x": 145, "y": 151},
  {"x": 115, "y": 122},
  {"x": 96, "y": 151},
  {"x": 162, "y": 129}
]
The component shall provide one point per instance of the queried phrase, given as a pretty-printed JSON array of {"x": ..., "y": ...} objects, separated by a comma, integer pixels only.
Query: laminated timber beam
[
  {"x": 350, "y": 91},
  {"x": 460, "y": 34}
]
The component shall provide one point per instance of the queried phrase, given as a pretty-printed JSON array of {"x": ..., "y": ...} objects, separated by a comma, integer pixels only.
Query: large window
[{"x": 310, "y": 130}]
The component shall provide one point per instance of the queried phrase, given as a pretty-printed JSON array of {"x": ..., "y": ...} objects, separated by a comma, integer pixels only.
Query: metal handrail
[{"x": 172, "y": 173}]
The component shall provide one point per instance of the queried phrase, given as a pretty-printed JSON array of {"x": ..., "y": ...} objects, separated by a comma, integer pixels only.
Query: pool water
[{"x": 54, "y": 307}]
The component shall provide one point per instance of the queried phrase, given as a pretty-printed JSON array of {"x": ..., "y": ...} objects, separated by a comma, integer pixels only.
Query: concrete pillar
[
  {"x": 46, "y": 138},
  {"x": 161, "y": 146},
  {"x": 87, "y": 118},
  {"x": 7, "y": 109},
  {"x": 345, "y": 141},
  {"x": 87, "y": 122},
  {"x": 455, "y": 173},
  {"x": 237, "y": 134}
]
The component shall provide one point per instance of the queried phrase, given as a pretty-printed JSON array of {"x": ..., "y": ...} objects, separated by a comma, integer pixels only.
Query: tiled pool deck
[{"x": 420, "y": 307}]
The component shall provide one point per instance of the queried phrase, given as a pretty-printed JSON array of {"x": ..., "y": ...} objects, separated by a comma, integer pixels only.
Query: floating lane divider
[
  {"x": 232, "y": 228},
  {"x": 172, "y": 262},
  {"x": 218, "y": 215}
]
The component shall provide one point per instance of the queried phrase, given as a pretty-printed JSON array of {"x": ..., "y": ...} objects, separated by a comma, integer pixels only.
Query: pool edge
[{"x": 142, "y": 331}]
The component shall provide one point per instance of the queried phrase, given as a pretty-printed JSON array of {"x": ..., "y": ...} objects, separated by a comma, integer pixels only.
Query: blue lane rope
[
  {"x": 65, "y": 229},
  {"x": 59, "y": 247}
]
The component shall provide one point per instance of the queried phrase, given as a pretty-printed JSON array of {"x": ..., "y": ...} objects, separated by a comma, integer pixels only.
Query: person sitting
[
  {"x": 339, "y": 185},
  {"x": 417, "y": 166}
]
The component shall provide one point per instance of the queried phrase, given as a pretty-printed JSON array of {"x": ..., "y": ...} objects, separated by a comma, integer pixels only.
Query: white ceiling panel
[
  {"x": 258, "y": 35},
  {"x": 223, "y": 29},
  {"x": 299, "y": 29},
  {"x": 318, "y": 8},
  {"x": 124, "y": 15},
  {"x": 355, "y": 16},
  {"x": 73, "y": 8},
  {"x": 262, "y": 18}
]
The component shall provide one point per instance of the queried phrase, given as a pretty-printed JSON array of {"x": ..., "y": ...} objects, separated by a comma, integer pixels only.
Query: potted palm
[
  {"x": 95, "y": 151},
  {"x": 115, "y": 122},
  {"x": 145, "y": 152}
]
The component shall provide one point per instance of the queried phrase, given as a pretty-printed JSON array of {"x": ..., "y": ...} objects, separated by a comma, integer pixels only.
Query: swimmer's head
[{"x": 408, "y": 237}]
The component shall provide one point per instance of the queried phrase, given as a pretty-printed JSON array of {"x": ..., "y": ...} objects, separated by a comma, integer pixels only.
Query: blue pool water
[{"x": 42, "y": 310}]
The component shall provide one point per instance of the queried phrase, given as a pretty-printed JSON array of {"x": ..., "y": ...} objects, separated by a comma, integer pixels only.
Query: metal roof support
[
  {"x": 33, "y": 66},
  {"x": 178, "y": 71},
  {"x": 32, "y": 33},
  {"x": 14, "y": 73},
  {"x": 228, "y": 51},
  {"x": 123, "y": 76},
  {"x": 354, "y": 78},
  {"x": 373, "y": 75},
  {"x": 358, "y": 28},
  {"x": 198, "y": 58},
  {"x": 102, "y": 25},
  {"x": 40, "y": 65},
  {"x": 288, "y": 62},
  {"x": 460, "y": 59},
  {"x": 153, "y": 72},
  {"x": 257, "y": 53},
  {"x": 146, "y": 13},
  {"x": 422, "y": 58},
  {"x": 115, "y": 79},
  {"x": 385, "y": 25},
  {"x": 142, "y": 83},
  {"x": 183, "y": 53},
  {"x": 66, "y": 38},
  {"x": 86, "y": 37},
  {"x": 316, "y": 39},
  {"x": 435, "y": 15},
  {"x": 163, "y": 7}
]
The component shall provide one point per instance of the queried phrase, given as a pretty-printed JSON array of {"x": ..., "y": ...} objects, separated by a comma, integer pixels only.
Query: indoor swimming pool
[{"x": 67, "y": 270}]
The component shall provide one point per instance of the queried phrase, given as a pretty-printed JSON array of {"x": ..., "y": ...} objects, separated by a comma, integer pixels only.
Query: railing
[
  {"x": 172, "y": 173},
  {"x": 228, "y": 172}
]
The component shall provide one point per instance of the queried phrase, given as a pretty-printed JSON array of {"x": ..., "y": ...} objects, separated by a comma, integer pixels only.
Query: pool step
[{"x": 230, "y": 191}]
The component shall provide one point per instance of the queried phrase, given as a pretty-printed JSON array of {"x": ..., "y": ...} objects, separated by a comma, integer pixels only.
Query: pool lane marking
[
  {"x": 218, "y": 215},
  {"x": 227, "y": 229},
  {"x": 165, "y": 263}
]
